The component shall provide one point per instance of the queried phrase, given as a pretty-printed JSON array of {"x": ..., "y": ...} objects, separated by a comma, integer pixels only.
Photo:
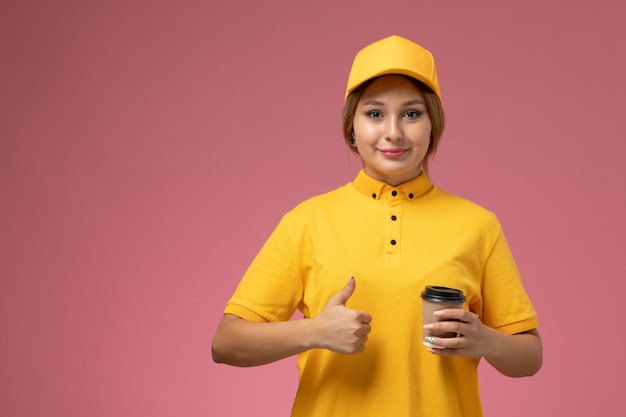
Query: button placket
[{"x": 394, "y": 224}]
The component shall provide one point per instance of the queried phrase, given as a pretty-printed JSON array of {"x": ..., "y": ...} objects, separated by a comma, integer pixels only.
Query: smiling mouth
[{"x": 393, "y": 153}]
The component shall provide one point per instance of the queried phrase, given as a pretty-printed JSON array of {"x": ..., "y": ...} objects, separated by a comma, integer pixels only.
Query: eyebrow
[{"x": 406, "y": 103}]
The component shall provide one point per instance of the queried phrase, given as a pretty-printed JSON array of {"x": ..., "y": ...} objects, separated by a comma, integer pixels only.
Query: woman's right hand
[
  {"x": 240, "y": 342},
  {"x": 341, "y": 329}
]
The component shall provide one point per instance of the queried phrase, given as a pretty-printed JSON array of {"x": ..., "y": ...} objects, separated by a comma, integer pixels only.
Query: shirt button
[
  {"x": 394, "y": 193},
  {"x": 394, "y": 218},
  {"x": 410, "y": 195},
  {"x": 393, "y": 242},
  {"x": 374, "y": 195}
]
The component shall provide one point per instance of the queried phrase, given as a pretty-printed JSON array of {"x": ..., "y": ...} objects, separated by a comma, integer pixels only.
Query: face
[{"x": 392, "y": 129}]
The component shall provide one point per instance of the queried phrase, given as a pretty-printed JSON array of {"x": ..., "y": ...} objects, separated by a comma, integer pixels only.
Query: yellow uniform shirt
[{"x": 395, "y": 241}]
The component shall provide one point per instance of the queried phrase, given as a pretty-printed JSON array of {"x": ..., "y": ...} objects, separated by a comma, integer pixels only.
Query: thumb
[{"x": 346, "y": 292}]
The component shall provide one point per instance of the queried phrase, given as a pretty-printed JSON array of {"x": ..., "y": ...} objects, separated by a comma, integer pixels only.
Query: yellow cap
[{"x": 393, "y": 55}]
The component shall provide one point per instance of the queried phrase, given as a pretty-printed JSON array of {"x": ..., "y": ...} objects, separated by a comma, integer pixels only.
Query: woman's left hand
[{"x": 474, "y": 338}]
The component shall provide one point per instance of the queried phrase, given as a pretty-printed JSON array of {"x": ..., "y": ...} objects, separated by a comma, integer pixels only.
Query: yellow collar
[{"x": 411, "y": 190}]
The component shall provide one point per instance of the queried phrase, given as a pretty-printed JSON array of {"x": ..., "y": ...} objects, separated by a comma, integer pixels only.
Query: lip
[{"x": 394, "y": 152}]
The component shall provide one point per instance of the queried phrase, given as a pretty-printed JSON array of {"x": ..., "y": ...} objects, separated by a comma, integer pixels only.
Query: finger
[
  {"x": 455, "y": 314},
  {"x": 432, "y": 342},
  {"x": 450, "y": 326},
  {"x": 367, "y": 329},
  {"x": 468, "y": 316},
  {"x": 346, "y": 292},
  {"x": 365, "y": 318}
]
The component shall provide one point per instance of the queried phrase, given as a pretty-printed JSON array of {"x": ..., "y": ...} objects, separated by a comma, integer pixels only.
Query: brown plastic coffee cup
[{"x": 436, "y": 298}]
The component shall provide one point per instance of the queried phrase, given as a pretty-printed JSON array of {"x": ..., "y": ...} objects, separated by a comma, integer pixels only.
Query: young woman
[{"x": 389, "y": 233}]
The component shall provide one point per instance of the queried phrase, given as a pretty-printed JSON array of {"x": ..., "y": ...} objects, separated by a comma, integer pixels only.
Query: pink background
[{"x": 148, "y": 148}]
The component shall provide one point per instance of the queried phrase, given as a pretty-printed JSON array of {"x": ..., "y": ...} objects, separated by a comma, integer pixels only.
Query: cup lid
[{"x": 440, "y": 294}]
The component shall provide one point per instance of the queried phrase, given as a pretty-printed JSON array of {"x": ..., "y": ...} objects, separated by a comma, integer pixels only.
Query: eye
[
  {"x": 413, "y": 114},
  {"x": 375, "y": 114}
]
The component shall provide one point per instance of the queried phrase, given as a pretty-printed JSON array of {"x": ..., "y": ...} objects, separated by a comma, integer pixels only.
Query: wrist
[
  {"x": 493, "y": 343},
  {"x": 311, "y": 333}
]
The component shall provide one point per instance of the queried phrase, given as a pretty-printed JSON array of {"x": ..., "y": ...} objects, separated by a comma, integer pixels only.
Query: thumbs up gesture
[{"x": 342, "y": 329}]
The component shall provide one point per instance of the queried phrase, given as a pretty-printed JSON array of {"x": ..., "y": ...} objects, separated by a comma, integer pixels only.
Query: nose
[{"x": 393, "y": 130}]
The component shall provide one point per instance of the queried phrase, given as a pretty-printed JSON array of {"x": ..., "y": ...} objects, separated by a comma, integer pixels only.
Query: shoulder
[
  {"x": 315, "y": 213},
  {"x": 453, "y": 206},
  {"x": 320, "y": 203}
]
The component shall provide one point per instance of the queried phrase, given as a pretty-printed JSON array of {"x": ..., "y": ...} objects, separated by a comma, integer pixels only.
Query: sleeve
[
  {"x": 271, "y": 289},
  {"x": 506, "y": 305}
]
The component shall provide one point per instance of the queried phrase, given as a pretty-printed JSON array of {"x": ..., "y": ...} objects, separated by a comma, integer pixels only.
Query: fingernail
[
  {"x": 429, "y": 339},
  {"x": 438, "y": 313},
  {"x": 428, "y": 326}
]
